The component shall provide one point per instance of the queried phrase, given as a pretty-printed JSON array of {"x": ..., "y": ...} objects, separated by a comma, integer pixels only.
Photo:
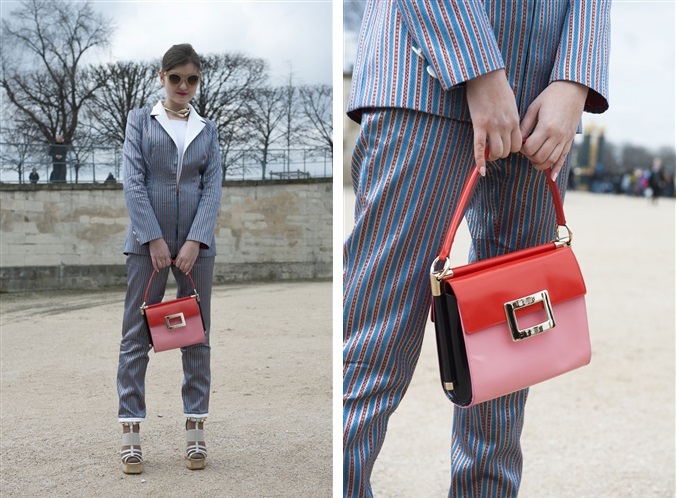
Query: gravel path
[{"x": 270, "y": 425}]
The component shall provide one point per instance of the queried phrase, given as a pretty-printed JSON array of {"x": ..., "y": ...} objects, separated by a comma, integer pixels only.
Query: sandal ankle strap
[
  {"x": 131, "y": 439},
  {"x": 194, "y": 435}
]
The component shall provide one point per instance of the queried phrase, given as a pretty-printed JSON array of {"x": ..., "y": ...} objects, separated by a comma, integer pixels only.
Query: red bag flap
[
  {"x": 156, "y": 313},
  {"x": 482, "y": 294}
]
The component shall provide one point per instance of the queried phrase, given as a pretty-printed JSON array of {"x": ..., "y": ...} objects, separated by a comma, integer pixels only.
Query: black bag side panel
[
  {"x": 451, "y": 353},
  {"x": 150, "y": 336}
]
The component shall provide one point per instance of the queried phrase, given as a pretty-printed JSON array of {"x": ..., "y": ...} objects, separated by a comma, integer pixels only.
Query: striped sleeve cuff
[
  {"x": 583, "y": 54},
  {"x": 456, "y": 38}
]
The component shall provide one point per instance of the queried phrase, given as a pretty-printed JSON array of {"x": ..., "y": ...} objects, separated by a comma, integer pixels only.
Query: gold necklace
[{"x": 182, "y": 113}]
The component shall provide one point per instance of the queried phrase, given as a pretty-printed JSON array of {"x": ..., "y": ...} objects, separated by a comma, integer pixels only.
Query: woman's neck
[{"x": 176, "y": 111}]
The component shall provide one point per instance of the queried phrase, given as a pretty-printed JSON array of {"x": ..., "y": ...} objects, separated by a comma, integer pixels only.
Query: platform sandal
[
  {"x": 196, "y": 451},
  {"x": 132, "y": 461}
]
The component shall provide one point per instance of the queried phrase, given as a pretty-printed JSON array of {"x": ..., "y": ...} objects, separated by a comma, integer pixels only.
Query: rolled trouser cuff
[
  {"x": 192, "y": 415},
  {"x": 130, "y": 420}
]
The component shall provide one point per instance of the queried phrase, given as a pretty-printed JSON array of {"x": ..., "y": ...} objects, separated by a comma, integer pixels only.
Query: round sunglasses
[{"x": 177, "y": 79}]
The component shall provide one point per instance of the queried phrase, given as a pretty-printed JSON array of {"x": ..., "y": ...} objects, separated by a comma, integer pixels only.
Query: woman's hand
[
  {"x": 550, "y": 123},
  {"x": 187, "y": 256},
  {"x": 495, "y": 120},
  {"x": 159, "y": 254}
]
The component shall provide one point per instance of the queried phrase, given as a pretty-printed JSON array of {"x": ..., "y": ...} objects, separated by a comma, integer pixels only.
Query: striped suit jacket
[
  {"x": 171, "y": 194},
  {"x": 417, "y": 54}
]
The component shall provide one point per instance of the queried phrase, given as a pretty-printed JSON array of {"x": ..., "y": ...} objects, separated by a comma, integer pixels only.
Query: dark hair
[{"x": 179, "y": 55}]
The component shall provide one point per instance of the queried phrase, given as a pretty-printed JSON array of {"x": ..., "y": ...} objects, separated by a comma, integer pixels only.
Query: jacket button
[
  {"x": 431, "y": 72},
  {"x": 417, "y": 51}
]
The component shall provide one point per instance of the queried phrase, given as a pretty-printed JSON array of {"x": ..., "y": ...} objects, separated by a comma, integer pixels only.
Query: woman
[{"x": 172, "y": 186}]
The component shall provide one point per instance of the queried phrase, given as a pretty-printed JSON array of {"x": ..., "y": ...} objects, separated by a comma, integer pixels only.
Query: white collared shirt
[
  {"x": 180, "y": 129},
  {"x": 194, "y": 125}
]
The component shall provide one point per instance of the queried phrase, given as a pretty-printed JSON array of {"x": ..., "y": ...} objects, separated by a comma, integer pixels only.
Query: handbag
[
  {"x": 509, "y": 322},
  {"x": 174, "y": 324}
]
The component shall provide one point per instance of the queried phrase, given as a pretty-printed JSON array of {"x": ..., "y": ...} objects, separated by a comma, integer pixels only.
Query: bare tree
[
  {"x": 633, "y": 156},
  {"x": 609, "y": 158},
  {"x": 291, "y": 127},
  {"x": 316, "y": 109},
  {"x": 44, "y": 46},
  {"x": 19, "y": 151},
  {"x": 228, "y": 81},
  {"x": 266, "y": 112},
  {"x": 667, "y": 155},
  {"x": 120, "y": 87}
]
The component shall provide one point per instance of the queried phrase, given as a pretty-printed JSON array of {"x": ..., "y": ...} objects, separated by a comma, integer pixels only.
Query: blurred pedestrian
[
  {"x": 58, "y": 151},
  {"x": 657, "y": 180},
  {"x": 110, "y": 178},
  {"x": 34, "y": 177},
  {"x": 627, "y": 182}
]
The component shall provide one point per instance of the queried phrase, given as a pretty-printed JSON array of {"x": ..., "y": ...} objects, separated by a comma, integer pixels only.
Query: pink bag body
[{"x": 174, "y": 324}]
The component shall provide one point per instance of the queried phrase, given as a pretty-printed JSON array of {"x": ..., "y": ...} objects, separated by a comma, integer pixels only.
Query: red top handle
[
  {"x": 150, "y": 280},
  {"x": 466, "y": 193}
]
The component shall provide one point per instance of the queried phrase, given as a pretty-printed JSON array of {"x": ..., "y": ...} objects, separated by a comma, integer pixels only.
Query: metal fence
[{"x": 97, "y": 164}]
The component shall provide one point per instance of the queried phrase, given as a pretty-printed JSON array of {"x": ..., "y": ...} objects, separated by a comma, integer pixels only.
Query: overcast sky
[
  {"x": 642, "y": 74},
  {"x": 290, "y": 35}
]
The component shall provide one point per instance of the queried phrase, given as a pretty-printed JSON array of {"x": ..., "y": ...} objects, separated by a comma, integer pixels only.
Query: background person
[
  {"x": 172, "y": 186},
  {"x": 34, "y": 177},
  {"x": 657, "y": 180},
  {"x": 434, "y": 84},
  {"x": 58, "y": 151}
]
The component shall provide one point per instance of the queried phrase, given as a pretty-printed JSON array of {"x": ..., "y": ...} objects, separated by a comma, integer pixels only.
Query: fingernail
[
  {"x": 483, "y": 171},
  {"x": 554, "y": 176}
]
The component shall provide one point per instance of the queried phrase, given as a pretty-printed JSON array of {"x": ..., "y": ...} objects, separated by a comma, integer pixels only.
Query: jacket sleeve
[
  {"x": 143, "y": 220},
  {"x": 583, "y": 54},
  {"x": 204, "y": 223},
  {"x": 455, "y": 37}
]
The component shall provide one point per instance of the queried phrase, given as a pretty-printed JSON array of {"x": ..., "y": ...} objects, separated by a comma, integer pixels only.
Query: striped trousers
[
  {"x": 407, "y": 170},
  {"x": 135, "y": 343}
]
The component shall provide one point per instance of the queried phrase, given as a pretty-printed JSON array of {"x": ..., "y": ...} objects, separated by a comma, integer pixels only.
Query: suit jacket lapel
[
  {"x": 161, "y": 116},
  {"x": 195, "y": 124}
]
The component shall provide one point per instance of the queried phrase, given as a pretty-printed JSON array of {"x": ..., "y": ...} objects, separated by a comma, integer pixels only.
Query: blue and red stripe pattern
[
  {"x": 584, "y": 48},
  {"x": 416, "y": 54}
]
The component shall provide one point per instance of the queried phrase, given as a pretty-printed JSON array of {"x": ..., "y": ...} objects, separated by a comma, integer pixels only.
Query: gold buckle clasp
[
  {"x": 436, "y": 276},
  {"x": 523, "y": 302},
  {"x": 169, "y": 318},
  {"x": 566, "y": 239}
]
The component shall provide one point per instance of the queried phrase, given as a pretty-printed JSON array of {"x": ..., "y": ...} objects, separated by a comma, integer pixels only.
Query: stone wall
[{"x": 71, "y": 236}]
